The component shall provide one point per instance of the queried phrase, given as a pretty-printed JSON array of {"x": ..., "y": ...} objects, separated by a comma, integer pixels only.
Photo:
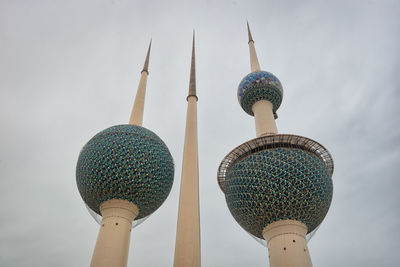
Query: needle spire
[
  {"x": 146, "y": 62},
  {"x": 138, "y": 106},
  {"x": 249, "y": 33},
  {"x": 192, "y": 82},
  {"x": 255, "y": 66}
]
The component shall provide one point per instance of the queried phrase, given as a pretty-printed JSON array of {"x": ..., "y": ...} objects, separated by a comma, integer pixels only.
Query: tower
[
  {"x": 187, "y": 246},
  {"x": 124, "y": 173},
  {"x": 278, "y": 187}
]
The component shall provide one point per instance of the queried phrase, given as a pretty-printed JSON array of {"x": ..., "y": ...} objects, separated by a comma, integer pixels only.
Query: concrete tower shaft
[
  {"x": 255, "y": 66},
  {"x": 187, "y": 246},
  {"x": 287, "y": 245},
  {"x": 138, "y": 106},
  {"x": 112, "y": 245}
]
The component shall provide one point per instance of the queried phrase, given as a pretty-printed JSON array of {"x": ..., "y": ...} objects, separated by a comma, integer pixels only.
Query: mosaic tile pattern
[
  {"x": 125, "y": 162},
  {"x": 278, "y": 184},
  {"x": 259, "y": 85}
]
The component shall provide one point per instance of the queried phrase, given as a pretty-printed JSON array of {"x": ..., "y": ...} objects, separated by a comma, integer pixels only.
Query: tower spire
[
  {"x": 146, "y": 62},
  {"x": 192, "y": 82},
  {"x": 138, "y": 106},
  {"x": 255, "y": 66},
  {"x": 249, "y": 33},
  {"x": 187, "y": 246}
]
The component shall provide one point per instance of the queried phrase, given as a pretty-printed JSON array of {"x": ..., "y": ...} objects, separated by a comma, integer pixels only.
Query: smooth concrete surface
[
  {"x": 287, "y": 245},
  {"x": 138, "y": 106},
  {"x": 255, "y": 66},
  {"x": 112, "y": 245},
  {"x": 264, "y": 117},
  {"x": 187, "y": 246}
]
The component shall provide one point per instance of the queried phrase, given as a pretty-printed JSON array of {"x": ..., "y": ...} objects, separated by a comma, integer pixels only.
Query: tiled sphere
[
  {"x": 278, "y": 184},
  {"x": 125, "y": 162},
  {"x": 259, "y": 85}
]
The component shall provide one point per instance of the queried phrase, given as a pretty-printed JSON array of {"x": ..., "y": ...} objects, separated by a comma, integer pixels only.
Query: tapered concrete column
[
  {"x": 112, "y": 244},
  {"x": 138, "y": 106},
  {"x": 187, "y": 246},
  {"x": 264, "y": 117},
  {"x": 287, "y": 246},
  {"x": 255, "y": 66}
]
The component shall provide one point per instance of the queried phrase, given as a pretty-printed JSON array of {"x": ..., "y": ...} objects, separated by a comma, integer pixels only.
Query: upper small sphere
[
  {"x": 259, "y": 85},
  {"x": 278, "y": 184},
  {"x": 125, "y": 162}
]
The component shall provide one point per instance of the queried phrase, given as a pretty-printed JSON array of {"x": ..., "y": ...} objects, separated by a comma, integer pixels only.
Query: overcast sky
[{"x": 69, "y": 69}]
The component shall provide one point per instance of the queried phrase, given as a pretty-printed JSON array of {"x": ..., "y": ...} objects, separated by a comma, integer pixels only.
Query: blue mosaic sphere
[
  {"x": 126, "y": 162},
  {"x": 259, "y": 85},
  {"x": 278, "y": 184}
]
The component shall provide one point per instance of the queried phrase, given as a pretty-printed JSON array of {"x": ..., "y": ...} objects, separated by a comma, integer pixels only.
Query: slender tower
[
  {"x": 277, "y": 186},
  {"x": 187, "y": 246},
  {"x": 138, "y": 106},
  {"x": 124, "y": 173}
]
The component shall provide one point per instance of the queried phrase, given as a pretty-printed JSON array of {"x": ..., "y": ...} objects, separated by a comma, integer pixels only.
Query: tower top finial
[
  {"x": 192, "y": 83},
  {"x": 249, "y": 33},
  {"x": 146, "y": 62},
  {"x": 255, "y": 66}
]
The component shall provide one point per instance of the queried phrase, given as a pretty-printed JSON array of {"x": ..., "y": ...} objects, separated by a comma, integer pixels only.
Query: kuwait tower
[
  {"x": 124, "y": 173},
  {"x": 278, "y": 187},
  {"x": 187, "y": 245}
]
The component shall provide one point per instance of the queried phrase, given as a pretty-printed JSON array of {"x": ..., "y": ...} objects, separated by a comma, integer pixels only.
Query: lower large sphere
[
  {"x": 278, "y": 184},
  {"x": 125, "y": 162}
]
